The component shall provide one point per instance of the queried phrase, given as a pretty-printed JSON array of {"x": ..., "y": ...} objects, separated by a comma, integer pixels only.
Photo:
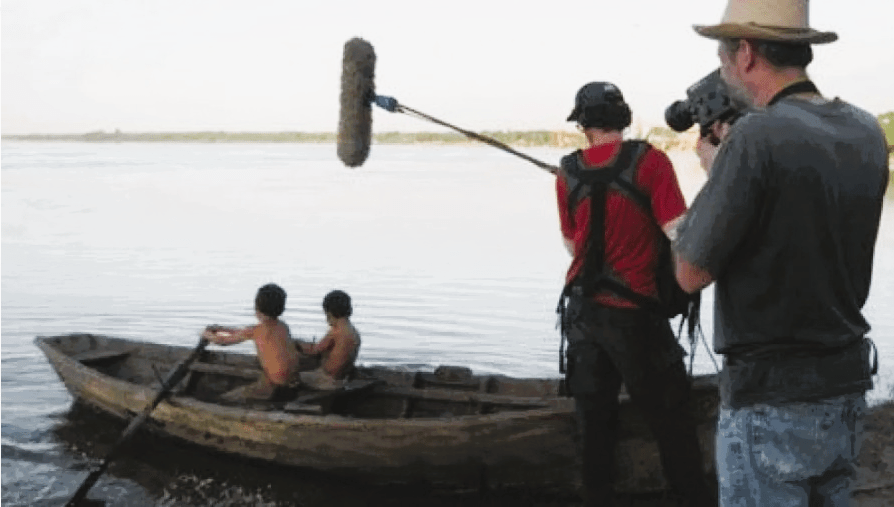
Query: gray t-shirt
[{"x": 787, "y": 224}]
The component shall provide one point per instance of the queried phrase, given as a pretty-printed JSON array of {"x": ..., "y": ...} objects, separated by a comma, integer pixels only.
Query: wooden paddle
[{"x": 173, "y": 378}]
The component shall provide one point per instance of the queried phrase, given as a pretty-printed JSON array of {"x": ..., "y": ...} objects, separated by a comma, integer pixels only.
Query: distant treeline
[
  {"x": 662, "y": 137},
  {"x": 562, "y": 139}
]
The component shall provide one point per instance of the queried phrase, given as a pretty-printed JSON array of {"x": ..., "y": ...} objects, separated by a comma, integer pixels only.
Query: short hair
[
  {"x": 271, "y": 300},
  {"x": 780, "y": 54},
  {"x": 608, "y": 116},
  {"x": 338, "y": 304}
]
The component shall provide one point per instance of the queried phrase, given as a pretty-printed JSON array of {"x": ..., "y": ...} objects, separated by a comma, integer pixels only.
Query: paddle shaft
[{"x": 173, "y": 378}]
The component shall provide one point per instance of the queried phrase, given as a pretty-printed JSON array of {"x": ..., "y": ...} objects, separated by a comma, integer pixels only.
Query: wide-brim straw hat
[{"x": 774, "y": 20}]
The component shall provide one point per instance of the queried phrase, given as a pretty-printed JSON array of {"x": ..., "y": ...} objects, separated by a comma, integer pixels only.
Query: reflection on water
[{"x": 452, "y": 255}]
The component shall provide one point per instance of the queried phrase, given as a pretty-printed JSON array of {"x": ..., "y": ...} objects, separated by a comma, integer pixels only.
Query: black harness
[
  {"x": 620, "y": 176},
  {"x": 595, "y": 275}
]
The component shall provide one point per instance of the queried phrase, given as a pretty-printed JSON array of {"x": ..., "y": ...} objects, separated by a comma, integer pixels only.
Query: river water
[{"x": 451, "y": 254}]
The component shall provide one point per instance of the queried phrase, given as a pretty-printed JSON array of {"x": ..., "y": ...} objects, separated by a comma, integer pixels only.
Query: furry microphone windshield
[
  {"x": 357, "y": 90},
  {"x": 357, "y": 96}
]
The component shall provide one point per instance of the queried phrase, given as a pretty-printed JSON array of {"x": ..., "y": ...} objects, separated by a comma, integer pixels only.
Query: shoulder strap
[
  {"x": 606, "y": 175},
  {"x": 579, "y": 180},
  {"x": 569, "y": 164},
  {"x": 576, "y": 189},
  {"x": 626, "y": 180}
]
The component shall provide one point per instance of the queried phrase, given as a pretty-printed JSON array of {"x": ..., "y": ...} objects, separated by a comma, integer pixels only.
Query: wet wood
[
  {"x": 462, "y": 397},
  {"x": 321, "y": 402},
  {"x": 92, "y": 356},
  {"x": 450, "y": 429},
  {"x": 225, "y": 369},
  {"x": 297, "y": 407}
]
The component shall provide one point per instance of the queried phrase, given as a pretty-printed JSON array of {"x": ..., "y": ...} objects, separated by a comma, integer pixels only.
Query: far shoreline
[{"x": 659, "y": 136}]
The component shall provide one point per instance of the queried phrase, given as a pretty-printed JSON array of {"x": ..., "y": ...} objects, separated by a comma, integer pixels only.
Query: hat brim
[
  {"x": 772, "y": 33},
  {"x": 575, "y": 114}
]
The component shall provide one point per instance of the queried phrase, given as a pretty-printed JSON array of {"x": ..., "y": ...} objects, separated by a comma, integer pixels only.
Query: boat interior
[{"x": 369, "y": 393}]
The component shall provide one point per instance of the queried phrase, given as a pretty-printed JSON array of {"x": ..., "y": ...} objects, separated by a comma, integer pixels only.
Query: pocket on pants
[{"x": 803, "y": 440}]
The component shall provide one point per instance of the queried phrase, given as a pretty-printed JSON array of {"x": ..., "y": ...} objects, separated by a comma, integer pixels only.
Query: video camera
[{"x": 707, "y": 102}]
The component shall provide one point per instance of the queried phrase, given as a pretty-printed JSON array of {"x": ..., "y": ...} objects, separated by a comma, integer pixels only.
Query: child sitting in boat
[
  {"x": 276, "y": 353},
  {"x": 338, "y": 349}
]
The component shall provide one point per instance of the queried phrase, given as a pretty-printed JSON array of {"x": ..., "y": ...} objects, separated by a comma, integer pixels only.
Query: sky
[{"x": 75, "y": 66}]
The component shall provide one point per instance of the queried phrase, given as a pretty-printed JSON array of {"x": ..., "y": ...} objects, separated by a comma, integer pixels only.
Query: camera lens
[{"x": 679, "y": 116}]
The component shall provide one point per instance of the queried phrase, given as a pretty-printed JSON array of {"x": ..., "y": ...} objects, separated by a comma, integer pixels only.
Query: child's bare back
[
  {"x": 275, "y": 351},
  {"x": 339, "y": 348}
]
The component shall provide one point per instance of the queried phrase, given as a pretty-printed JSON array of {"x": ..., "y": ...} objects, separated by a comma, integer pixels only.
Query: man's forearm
[
  {"x": 670, "y": 228},
  {"x": 690, "y": 277}
]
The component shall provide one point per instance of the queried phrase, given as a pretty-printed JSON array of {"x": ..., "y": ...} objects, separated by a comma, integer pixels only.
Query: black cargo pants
[{"x": 608, "y": 346}]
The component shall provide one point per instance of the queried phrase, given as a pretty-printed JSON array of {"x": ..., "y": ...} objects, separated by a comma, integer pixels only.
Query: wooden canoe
[{"x": 446, "y": 428}]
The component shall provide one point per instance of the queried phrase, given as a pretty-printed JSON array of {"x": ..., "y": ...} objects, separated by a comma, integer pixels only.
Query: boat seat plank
[
  {"x": 352, "y": 387},
  {"x": 442, "y": 379},
  {"x": 318, "y": 402},
  {"x": 225, "y": 369},
  {"x": 93, "y": 356},
  {"x": 296, "y": 407},
  {"x": 460, "y": 396}
]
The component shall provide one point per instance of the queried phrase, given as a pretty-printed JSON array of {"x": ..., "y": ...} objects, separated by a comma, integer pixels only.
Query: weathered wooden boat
[{"x": 446, "y": 428}]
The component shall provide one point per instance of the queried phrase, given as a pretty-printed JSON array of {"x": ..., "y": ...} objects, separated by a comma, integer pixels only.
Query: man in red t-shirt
[{"x": 610, "y": 338}]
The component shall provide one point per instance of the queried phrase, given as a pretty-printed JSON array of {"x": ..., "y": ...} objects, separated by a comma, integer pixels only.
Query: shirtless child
[
  {"x": 277, "y": 355},
  {"x": 338, "y": 349}
]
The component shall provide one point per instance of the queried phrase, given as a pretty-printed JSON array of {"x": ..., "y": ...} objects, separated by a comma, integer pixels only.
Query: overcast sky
[{"x": 73, "y": 66}]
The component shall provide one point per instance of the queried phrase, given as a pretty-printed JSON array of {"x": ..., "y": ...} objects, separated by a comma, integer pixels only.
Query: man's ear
[{"x": 747, "y": 55}]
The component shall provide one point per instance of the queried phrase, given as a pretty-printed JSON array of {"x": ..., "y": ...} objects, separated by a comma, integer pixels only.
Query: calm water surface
[{"x": 451, "y": 254}]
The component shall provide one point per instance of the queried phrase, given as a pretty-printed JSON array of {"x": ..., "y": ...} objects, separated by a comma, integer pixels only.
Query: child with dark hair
[
  {"x": 338, "y": 349},
  {"x": 276, "y": 352},
  {"x": 338, "y": 304}
]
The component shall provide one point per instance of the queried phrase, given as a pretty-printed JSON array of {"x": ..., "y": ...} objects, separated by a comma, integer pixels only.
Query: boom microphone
[
  {"x": 357, "y": 96},
  {"x": 357, "y": 89}
]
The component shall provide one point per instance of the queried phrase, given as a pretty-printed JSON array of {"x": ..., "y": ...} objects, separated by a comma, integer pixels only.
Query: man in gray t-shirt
[{"x": 786, "y": 226}]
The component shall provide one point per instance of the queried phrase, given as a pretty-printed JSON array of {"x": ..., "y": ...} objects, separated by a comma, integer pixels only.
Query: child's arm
[
  {"x": 228, "y": 335},
  {"x": 325, "y": 344}
]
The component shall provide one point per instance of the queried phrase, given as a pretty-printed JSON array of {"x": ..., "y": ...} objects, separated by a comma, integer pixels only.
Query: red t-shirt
[{"x": 631, "y": 247}]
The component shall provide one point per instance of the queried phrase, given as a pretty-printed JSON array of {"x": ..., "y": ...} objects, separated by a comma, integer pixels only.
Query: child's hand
[
  {"x": 214, "y": 333},
  {"x": 209, "y": 335}
]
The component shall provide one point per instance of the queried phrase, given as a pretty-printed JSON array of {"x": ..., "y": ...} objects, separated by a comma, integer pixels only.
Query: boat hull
[{"x": 466, "y": 448}]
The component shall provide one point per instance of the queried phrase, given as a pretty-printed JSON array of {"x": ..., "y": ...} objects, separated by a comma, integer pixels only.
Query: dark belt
[
  {"x": 798, "y": 374},
  {"x": 586, "y": 305}
]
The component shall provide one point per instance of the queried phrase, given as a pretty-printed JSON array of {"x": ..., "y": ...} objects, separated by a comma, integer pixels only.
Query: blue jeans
[{"x": 798, "y": 454}]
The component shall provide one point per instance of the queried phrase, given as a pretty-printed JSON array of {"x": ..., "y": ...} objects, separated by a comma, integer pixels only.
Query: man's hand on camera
[
  {"x": 706, "y": 152},
  {"x": 705, "y": 147}
]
